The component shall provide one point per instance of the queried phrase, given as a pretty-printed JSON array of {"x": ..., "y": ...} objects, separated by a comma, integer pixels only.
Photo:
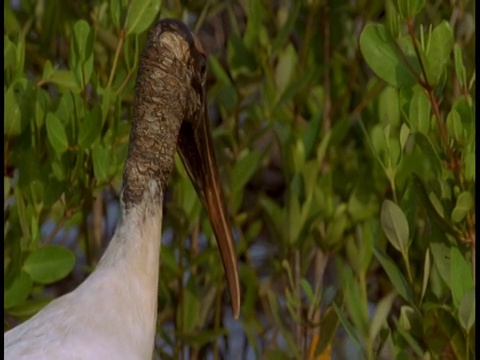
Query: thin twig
[
  {"x": 97, "y": 223},
  {"x": 117, "y": 55},
  {"x": 66, "y": 216},
  {"x": 453, "y": 161},
  {"x": 296, "y": 279}
]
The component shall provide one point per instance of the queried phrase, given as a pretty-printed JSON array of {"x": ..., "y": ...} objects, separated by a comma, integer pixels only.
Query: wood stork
[{"x": 112, "y": 314}]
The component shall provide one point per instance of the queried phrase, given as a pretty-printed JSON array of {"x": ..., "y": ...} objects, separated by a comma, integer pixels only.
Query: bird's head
[
  {"x": 179, "y": 53},
  {"x": 171, "y": 112}
]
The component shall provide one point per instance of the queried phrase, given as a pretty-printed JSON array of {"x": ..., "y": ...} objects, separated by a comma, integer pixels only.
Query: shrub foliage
[{"x": 345, "y": 133}]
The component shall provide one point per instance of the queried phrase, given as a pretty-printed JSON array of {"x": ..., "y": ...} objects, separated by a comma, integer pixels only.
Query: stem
[
  {"x": 130, "y": 72},
  {"x": 320, "y": 262},
  {"x": 327, "y": 104},
  {"x": 121, "y": 40},
  {"x": 308, "y": 35},
  {"x": 123, "y": 84},
  {"x": 67, "y": 215},
  {"x": 296, "y": 280},
  {"x": 97, "y": 226},
  {"x": 471, "y": 223},
  {"x": 195, "y": 247},
  {"x": 216, "y": 320},
  {"x": 453, "y": 161},
  {"x": 407, "y": 265},
  {"x": 181, "y": 306}
]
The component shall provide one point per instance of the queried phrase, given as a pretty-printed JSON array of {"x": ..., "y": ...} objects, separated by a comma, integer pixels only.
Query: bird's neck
[{"x": 129, "y": 267}]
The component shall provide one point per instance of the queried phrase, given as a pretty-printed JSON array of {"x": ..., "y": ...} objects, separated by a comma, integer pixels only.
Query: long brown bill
[{"x": 198, "y": 156}]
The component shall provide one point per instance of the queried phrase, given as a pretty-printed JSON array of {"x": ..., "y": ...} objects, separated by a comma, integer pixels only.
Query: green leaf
[
  {"x": 140, "y": 15},
  {"x": 336, "y": 230},
  {"x": 216, "y": 67},
  {"x": 279, "y": 318},
  {"x": 254, "y": 12},
  {"x": 395, "y": 225},
  {"x": 275, "y": 354},
  {"x": 65, "y": 80},
  {"x": 466, "y": 310},
  {"x": 408, "y": 9},
  {"x": 169, "y": 262},
  {"x": 81, "y": 54},
  {"x": 463, "y": 206},
  {"x": 117, "y": 11},
  {"x": 388, "y": 106},
  {"x": 294, "y": 219},
  {"x": 329, "y": 326},
  {"x": 379, "y": 142},
  {"x": 412, "y": 344},
  {"x": 455, "y": 126},
  {"x": 311, "y": 137},
  {"x": 9, "y": 54},
  {"x": 83, "y": 40},
  {"x": 394, "y": 274},
  {"x": 419, "y": 114},
  {"x": 393, "y": 147},
  {"x": 12, "y": 115},
  {"x": 469, "y": 165},
  {"x": 90, "y": 128},
  {"x": 426, "y": 201},
  {"x": 56, "y": 133},
  {"x": 53, "y": 191},
  {"x": 441, "y": 259},
  {"x": 461, "y": 278},
  {"x": 18, "y": 290},
  {"x": 297, "y": 155},
  {"x": 411, "y": 320},
  {"x": 393, "y": 20},
  {"x": 224, "y": 92},
  {"x": 366, "y": 246},
  {"x": 185, "y": 194},
  {"x": 286, "y": 65},
  {"x": 382, "y": 54},
  {"x": 42, "y": 106},
  {"x": 460, "y": 70},
  {"x": 20, "y": 50},
  {"x": 190, "y": 306},
  {"x": 49, "y": 263},
  {"x": 357, "y": 308},
  {"x": 463, "y": 106},
  {"x": 382, "y": 312},
  {"x": 29, "y": 308},
  {"x": 7, "y": 187},
  {"x": 430, "y": 153},
  {"x": 244, "y": 169},
  {"x": 274, "y": 213},
  {"x": 307, "y": 289},
  {"x": 426, "y": 273},
  {"x": 240, "y": 59},
  {"x": 21, "y": 96},
  {"x": 347, "y": 325},
  {"x": 101, "y": 161},
  {"x": 404, "y": 135},
  {"x": 11, "y": 25},
  {"x": 440, "y": 46}
]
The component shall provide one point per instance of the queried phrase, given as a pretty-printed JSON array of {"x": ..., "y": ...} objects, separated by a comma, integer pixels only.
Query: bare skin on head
[{"x": 170, "y": 112}]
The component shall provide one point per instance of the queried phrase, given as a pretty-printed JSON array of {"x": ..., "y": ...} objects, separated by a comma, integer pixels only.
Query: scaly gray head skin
[{"x": 170, "y": 112}]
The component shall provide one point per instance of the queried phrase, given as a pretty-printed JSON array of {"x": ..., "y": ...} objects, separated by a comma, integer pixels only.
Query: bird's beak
[{"x": 198, "y": 156}]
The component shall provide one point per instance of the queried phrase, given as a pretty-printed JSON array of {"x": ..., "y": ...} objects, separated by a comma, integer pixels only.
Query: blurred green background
[{"x": 344, "y": 130}]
